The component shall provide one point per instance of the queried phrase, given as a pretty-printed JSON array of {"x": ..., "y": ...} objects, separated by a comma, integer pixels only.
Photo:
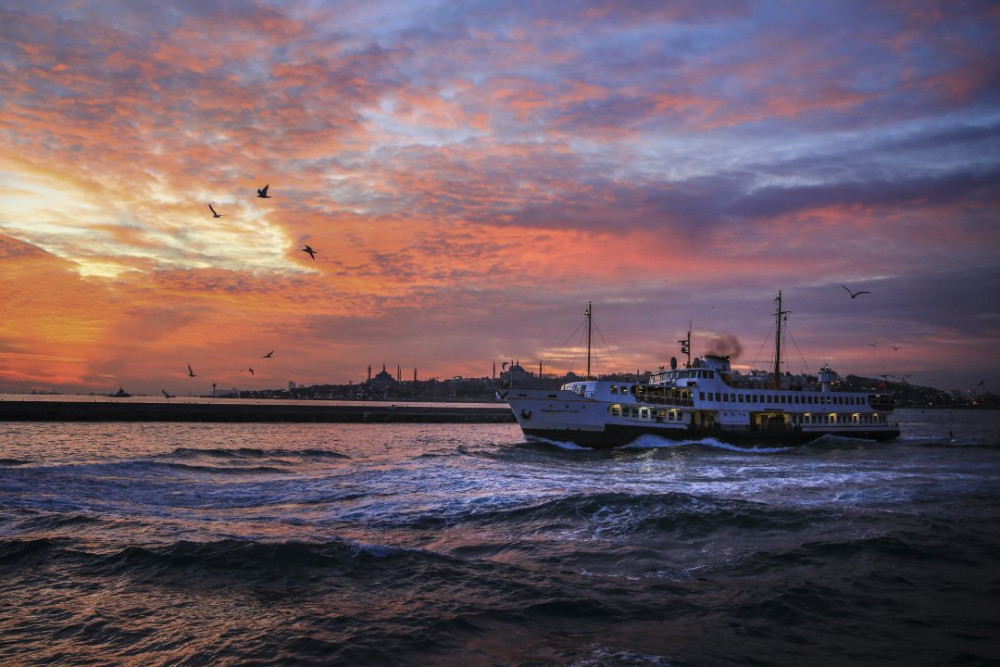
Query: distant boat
[
  {"x": 121, "y": 393},
  {"x": 704, "y": 399}
]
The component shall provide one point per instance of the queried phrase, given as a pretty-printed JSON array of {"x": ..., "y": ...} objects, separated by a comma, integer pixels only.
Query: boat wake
[{"x": 649, "y": 441}]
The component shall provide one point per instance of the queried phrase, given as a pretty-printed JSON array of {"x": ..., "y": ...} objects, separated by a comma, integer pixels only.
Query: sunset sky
[{"x": 471, "y": 174}]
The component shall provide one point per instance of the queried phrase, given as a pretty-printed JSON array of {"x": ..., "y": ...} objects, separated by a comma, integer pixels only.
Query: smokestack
[{"x": 725, "y": 345}]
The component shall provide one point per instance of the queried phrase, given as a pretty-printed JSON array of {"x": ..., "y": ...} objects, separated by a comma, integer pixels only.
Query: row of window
[
  {"x": 842, "y": 419},
  {"x": 618, "y": 410},
  {"x": 784, "y": 399}
]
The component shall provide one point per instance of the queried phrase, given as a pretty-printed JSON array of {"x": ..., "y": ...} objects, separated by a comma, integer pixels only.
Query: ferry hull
[{"x": 614, "y": 435}]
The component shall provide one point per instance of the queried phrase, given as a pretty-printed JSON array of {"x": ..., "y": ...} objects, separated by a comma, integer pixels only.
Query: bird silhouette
[
  {"x": 251, "y": 371},
  {"x": 165, "y": 394},
  {"x": 268, "y": 355},
  {"x": 262, "y": 192},
  {"x": 310, "y": 251},
  {"x": 854, "y": 295},
  {"x": 191, "y": 372},
  {"x": 214, "y": 214}
]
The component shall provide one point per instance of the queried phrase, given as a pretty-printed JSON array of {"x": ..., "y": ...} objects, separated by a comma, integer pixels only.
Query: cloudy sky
[{"x": 471, "y": 174}]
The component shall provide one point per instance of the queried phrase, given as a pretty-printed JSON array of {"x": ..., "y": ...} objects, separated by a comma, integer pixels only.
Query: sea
[{"x": 463, "y": 544}]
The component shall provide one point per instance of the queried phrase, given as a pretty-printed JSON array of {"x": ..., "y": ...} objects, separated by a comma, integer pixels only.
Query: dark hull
[{"x": 619, "y": 436}]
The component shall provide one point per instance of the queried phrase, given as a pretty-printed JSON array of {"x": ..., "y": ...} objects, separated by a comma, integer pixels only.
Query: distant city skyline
[{"x": 451, "y": 183}]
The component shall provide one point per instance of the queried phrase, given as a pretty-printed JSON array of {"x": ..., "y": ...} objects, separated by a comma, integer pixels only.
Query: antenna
[{"x": 686, "y": 346}]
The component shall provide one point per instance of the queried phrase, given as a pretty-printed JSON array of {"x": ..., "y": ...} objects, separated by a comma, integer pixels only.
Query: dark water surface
[{"x": 288, "y": 544}]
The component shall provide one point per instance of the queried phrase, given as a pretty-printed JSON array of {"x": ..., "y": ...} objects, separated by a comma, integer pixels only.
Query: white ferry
[{"x": 704, "y": 399}]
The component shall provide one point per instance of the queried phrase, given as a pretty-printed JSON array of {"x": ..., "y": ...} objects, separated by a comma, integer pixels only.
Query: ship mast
[
  {"x": 686, "y": 346},
  {"x": 590, "y": 316},
  {"x": 779, "y": 315}
]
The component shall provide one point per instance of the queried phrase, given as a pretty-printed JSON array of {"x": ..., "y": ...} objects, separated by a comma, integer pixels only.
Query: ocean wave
[
  {"x": 10, "y": 463},
  {"x": 230, "y": 470},
  {"x": 253, "y": 453},
  {"x": 675, "y": 513},
  {"x": 233, "y": 556},
  {"x": 17, "y": 550},
  {"x": 649, "y": 441},
  {"x": 224, "y": 561},
  {"x": 656, "y": 442}
]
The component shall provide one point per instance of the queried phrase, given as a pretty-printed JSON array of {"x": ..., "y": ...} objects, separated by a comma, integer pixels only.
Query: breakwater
[{"x": 180, "y": 410}]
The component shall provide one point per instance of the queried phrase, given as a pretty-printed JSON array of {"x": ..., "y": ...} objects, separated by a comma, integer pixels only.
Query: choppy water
[{"x": 222, "y": 544}]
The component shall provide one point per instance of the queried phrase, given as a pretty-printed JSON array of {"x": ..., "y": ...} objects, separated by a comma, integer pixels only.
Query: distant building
[
  {"x": 515, "y": 372},
  {"x": 382, "y": 381},
  {"x": 291, "y": 385}
]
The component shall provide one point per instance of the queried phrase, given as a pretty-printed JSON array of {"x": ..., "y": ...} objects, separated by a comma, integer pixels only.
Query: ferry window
[
  {"x": 711, "y": 375},
  {"x": 701, "y": 396}
]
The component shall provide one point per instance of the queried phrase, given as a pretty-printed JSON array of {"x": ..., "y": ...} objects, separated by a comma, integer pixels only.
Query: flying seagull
[
  {"x": 251, "y": 371},
  {"x": 268, "y": 355},
  {"x": 214, "y": 214},
  {"x": 262, "y": 192},
  {"x": 191, "y": 372},
  {"x": 310, "y": 251},
  {"x": 854, "y": 295},
  {"x": 165, "y": 394}
]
